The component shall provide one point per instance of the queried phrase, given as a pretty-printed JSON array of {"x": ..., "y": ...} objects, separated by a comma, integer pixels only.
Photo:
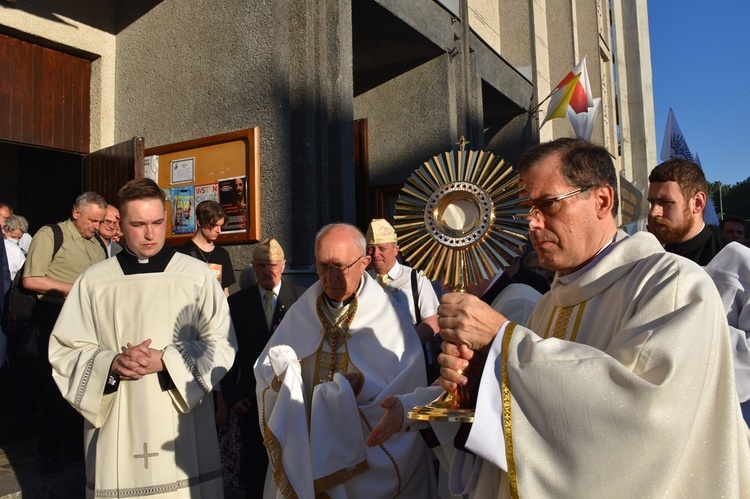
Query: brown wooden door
[
  {"x": 108, "y": 169},
  {"x": 44, "y": 96}
]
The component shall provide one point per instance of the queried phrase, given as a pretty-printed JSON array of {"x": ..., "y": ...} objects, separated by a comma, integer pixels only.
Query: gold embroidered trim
[
  {"x": 280, "y": 478},
  {"x": 335, "y": 335},
  {"x": 507, "y": 420},
  {"x": 338, "y": 477},
  {"x": 549, "y": 324},
  {"x": 279, "y": 474},
  {"x": 263, "y": 409},
  {"x": 561, "y": 323},
  {"x": 274, "y": 453},
  {"x": 577, "y": 323},
  {"x": 559, "y": 320}
]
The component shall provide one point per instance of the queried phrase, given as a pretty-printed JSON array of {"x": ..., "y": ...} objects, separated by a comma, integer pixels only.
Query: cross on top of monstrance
[{"x": 460, "y": 219}]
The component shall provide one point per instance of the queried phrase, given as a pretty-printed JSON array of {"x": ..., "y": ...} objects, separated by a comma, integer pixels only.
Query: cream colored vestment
[
  {"x": 142, "y": 440},
  {"x": 316, "y": 434},
  {"x": 621, "y": 386}
]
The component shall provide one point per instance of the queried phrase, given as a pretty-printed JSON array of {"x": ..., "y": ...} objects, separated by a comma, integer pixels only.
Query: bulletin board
[{"x": 224, "y": 168}]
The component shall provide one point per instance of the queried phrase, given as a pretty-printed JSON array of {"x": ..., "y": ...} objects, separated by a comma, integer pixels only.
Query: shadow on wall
[{"x": 113, "y": 21}]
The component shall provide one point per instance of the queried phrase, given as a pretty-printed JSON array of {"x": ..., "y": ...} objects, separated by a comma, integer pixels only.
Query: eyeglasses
[
  {"x": 548, "y": 207},
  {"x": 324, "y": 268},
  {"x": 107, "y": 223}
]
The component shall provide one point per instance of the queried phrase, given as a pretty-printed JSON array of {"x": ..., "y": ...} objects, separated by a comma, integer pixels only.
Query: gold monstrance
[{"x": 459, "y": 218}]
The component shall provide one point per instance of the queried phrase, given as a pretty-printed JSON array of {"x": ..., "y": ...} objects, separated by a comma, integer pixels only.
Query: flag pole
[
  {"x": 536, "y": 108},
  {"x": 582, "y": 64}
]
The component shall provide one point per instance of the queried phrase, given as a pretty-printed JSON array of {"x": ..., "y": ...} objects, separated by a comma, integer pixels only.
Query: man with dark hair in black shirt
[
  {"x": 678, "y": 195},
  {"x": 733, "y": 228}
]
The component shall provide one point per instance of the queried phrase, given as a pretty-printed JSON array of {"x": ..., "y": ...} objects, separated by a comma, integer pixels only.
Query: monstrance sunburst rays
[{"x": 460, "y": 217}]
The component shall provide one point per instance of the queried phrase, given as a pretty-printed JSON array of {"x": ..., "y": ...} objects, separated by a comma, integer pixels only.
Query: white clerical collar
[
  {"x": 604, "y": 251},
  {"x": 339, "y": 304},
  {"x": 142, "y": 261}
]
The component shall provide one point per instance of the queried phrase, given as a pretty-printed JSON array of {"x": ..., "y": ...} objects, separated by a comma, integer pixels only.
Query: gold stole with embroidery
[{"x": 335, "y": 357}]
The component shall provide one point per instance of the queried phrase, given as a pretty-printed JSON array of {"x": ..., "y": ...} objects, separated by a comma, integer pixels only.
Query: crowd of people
[{"x": 601, "y": 364}]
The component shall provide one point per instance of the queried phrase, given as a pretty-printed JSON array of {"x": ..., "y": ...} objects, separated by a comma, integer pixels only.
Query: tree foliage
[{"x": 734, "y": 200}]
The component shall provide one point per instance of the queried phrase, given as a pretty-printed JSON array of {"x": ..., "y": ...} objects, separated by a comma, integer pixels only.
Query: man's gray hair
[
  {"x": 15, "y": 222},
  {"x": 88, "y": 198},
  {"x": 357, "y": 237}
]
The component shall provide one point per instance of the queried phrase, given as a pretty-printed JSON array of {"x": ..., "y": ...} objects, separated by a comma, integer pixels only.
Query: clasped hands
[{"x": 136, "y": 361}]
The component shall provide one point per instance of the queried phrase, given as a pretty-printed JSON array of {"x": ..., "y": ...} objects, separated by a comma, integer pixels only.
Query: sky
[{"x": 700, "y": 58}]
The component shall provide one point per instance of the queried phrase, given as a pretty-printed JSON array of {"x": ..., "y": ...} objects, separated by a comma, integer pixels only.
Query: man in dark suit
[{"x": 256, "y": 312}]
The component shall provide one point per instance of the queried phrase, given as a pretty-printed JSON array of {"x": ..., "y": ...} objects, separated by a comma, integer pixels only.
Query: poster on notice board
[
  {"x": 233, "y": 198},
  {"x": 183, "y": 210}
]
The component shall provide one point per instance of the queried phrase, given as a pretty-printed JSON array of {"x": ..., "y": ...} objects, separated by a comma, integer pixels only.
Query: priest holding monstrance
[{"x": 622, "y": 383}]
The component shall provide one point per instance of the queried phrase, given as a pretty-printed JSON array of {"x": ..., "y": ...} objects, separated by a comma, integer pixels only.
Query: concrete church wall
[
  {"x": 189, "y": 69},
  {"x": 587, "y": 23},
  {"x": 513, "y": 139},
  {"x": 174, "y": 70},
  {"x": 516, "y": 33},
  {"x": 408, "y": 120}
]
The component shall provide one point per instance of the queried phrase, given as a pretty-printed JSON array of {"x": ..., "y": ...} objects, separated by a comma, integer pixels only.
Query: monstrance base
[{"x": 446, "y": 408}]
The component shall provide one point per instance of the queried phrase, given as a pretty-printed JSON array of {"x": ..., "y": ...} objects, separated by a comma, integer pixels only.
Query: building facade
[{"x": 350, "y": 96}]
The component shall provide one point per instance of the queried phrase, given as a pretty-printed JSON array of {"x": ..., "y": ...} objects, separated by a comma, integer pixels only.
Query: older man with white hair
[{"x": 339, "y": 352}]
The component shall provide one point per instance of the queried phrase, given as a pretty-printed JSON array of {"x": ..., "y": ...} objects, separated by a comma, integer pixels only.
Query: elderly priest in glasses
[{"x": 339, "y": 351}]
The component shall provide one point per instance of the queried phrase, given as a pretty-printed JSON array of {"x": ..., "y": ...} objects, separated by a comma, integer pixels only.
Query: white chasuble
[
  {"x": 143, "y": 440},
  {"x": 621, "y": 385},
  {"x": 314, "y": 425},
  {"x": 730, "y": 271}
]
